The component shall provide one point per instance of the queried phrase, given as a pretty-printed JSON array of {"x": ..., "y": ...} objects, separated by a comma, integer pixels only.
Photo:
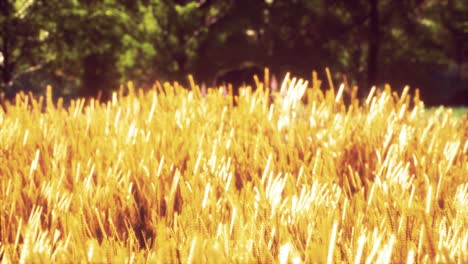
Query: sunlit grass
[
  {"x": 457, "y": 111},
  {"x": 176, "y": 175}
]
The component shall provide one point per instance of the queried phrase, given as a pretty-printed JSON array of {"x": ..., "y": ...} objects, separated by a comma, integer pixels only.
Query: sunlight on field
[
  {"x": 457, "y": 111},
  {"x": 175, "y": 175}
]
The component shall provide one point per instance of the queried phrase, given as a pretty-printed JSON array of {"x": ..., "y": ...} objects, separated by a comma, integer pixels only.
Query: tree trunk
[
  {"x": 98, "y": 75},
  {"x": 374, "y": 44}
]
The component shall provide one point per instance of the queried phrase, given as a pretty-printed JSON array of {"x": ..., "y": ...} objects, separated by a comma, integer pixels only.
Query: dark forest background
[{"x": 81, "y": 47}]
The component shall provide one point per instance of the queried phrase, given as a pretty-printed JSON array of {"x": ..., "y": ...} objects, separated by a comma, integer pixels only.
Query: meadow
[{"x": 174, "y": 175}]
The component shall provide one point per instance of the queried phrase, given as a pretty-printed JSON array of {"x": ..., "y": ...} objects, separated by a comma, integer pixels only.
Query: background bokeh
[{"x": 81, "y": 47}]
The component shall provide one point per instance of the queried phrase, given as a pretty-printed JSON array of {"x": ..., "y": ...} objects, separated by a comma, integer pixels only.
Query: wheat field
[{"x": 174, "y": 175}]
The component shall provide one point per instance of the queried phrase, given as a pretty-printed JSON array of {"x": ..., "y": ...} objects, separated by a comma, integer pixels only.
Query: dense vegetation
[
  {"x": 80, "y": 47},
  {"x": 180, "y": 175}
]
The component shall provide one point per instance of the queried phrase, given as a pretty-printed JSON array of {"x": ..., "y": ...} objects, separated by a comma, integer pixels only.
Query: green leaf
[
  {"x": 148, "y": 49},
  {"x": 149, "y": 22}
]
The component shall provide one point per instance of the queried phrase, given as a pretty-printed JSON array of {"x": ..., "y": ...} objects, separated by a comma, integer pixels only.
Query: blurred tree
[
  {"x": 98, "y": 45},
  {"x": 455, "y": 21},
  {"x": 89, "y": 41},
  {"x": 454, "y": 15},
  {"x": 374, "y": 43},
  {"x": 416, "y": 48},
  {"x": 232, "y": 31},
  {"x": 23, "y": 40},
  {"x": 164, "y": 40}
]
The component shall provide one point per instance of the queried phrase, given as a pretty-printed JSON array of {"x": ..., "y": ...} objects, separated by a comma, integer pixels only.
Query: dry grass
[{"x": 173, "y": 175}]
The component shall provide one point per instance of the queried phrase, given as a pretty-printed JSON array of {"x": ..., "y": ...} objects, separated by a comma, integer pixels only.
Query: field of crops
[{"x": 180, "y": 175}]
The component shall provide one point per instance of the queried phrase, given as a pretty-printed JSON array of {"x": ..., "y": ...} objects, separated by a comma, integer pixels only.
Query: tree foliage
[{"x": 85, "y": 46}]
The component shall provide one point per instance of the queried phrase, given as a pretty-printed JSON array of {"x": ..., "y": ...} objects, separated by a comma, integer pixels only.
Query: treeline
[{"x": 81, "y": 47}]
